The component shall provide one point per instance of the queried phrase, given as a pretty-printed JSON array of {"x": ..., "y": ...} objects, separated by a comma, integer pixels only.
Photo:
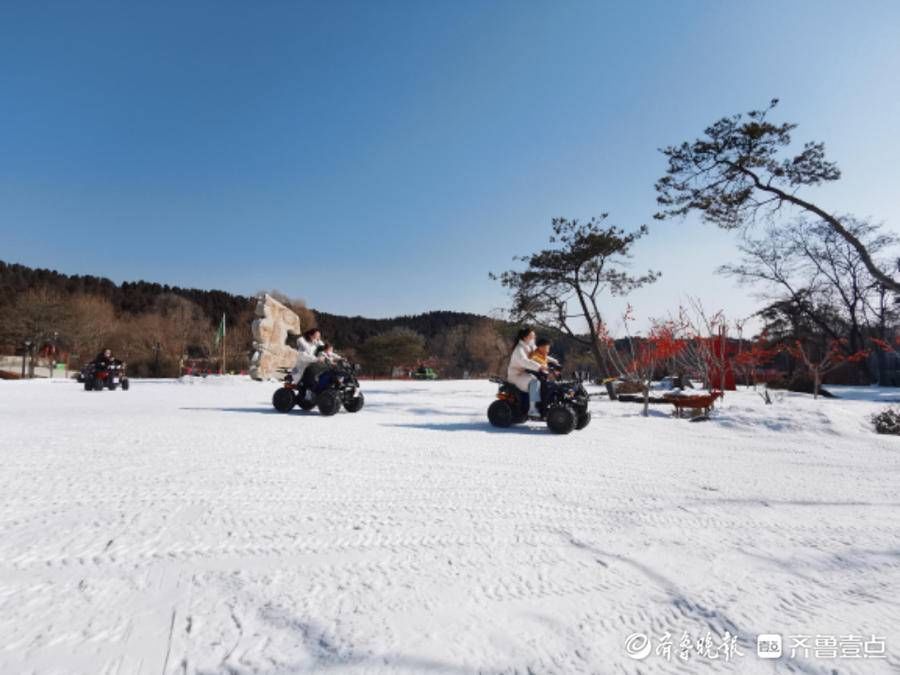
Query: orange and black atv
[{"x": 563, "y": 405}]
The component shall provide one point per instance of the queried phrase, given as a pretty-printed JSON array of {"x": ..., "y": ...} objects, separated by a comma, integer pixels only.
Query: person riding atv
[
  {"x": 104, "y": 371},
  {"x": 563, "y": 405},
  {"x": 532, "y": 392},
  {"x": 523, "y": 369},
  {"x": 328, "y": 383}
]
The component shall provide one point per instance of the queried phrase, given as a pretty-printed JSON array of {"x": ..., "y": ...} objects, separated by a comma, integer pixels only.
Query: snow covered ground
[{"x": 187, "y": 528}]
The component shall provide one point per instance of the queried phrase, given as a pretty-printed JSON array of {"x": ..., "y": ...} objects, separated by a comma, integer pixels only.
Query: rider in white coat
[
  {"x": 306, "y": 352},
  {"x": 519, "y": 363}
]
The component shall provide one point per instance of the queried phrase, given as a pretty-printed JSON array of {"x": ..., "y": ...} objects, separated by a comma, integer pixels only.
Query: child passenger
[
  {"x": 541, "y": 353},
  {"x": 327, "y": 353}
]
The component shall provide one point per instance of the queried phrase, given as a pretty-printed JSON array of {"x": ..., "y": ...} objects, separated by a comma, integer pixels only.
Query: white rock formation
[{"x": 275, "y": 325}]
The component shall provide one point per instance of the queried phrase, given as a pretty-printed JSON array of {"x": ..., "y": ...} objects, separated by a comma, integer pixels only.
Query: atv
[
  {"x": 111, "y": 376},
  {"x": 563, "y": 405},
  {"x": 325, "y": 387}
]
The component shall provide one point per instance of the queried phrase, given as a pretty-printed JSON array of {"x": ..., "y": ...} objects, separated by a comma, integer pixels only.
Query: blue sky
[{"x": 379, "y": 158}]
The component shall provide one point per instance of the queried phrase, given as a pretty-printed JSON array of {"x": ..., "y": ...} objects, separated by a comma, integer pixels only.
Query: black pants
[{"x": 312, "y": 373}]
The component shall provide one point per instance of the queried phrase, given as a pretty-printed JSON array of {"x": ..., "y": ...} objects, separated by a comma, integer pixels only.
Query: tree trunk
[
  {"x": 881, "y": 361},
  {"x": 598, "y": 359},
  {"x": 817, "y": 381},
  {"x": 723, "y": 361},
  {"x": 646, "y": 412},
  {"x": 592, "y": 328}
]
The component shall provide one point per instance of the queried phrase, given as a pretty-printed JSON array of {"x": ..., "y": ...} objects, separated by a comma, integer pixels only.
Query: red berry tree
[{"x": 819, "y": 362}]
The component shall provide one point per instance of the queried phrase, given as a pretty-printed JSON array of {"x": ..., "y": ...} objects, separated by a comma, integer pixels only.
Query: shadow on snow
[
  {"x": 468, "y": 426},
  {"x": 261, "y": 410}
]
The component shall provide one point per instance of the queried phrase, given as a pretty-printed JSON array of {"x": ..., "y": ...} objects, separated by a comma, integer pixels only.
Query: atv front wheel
[
  {"x": 98, "y": 384},
  {"x": 87, "y": 385},
  {"x": 283, "y": 400},
  {"x": 125, "y": 385},
  {"x": 561, "y": 419},
  {"x": 584, "y": 419},
  {"x": 328, "y": 402},
  {"x": 354, "y": 404},
  {"x": 500, "y": 414}
]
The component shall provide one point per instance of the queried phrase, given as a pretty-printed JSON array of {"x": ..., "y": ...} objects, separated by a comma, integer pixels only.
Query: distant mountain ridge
[
  {"x": 129, "y": 296},
  {"x": 140, "y": 296},
  {"x": 349, "y": 330}
]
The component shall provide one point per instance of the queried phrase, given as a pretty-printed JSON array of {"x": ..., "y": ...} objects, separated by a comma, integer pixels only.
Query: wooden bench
[{"x": 703, "y": 402}]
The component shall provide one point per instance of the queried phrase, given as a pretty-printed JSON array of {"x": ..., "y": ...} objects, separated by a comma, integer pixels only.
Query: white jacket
[
  {"x": 519, "y": 363},
  {"x": 307, "y": 347},
  {"x": 306, "y": 354}
]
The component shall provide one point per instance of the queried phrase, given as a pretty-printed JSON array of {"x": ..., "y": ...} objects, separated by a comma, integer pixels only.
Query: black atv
[
  {"x": 326, "y": 387},
  {"x": 563, "y": 405},
  {"x": 109, "y": 375}
]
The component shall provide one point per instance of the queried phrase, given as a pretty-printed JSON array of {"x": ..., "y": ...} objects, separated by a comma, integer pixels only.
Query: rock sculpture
[{"x": 275, "y": 328}]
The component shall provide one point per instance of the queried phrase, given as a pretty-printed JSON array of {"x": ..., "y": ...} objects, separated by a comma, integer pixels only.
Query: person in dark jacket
[
  {"x": 103, "y": 359},
  {"x": 317, "y": 373}
]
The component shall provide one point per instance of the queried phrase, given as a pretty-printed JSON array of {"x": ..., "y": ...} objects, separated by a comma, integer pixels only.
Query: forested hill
[
  {"x": 136, "y": 297},
  {"x": 354, "y": 330},
  {"x": 141, "y": 296}
]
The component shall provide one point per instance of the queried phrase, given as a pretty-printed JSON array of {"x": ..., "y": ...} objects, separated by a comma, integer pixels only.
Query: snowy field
[{"x": 187, "y": 528}]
